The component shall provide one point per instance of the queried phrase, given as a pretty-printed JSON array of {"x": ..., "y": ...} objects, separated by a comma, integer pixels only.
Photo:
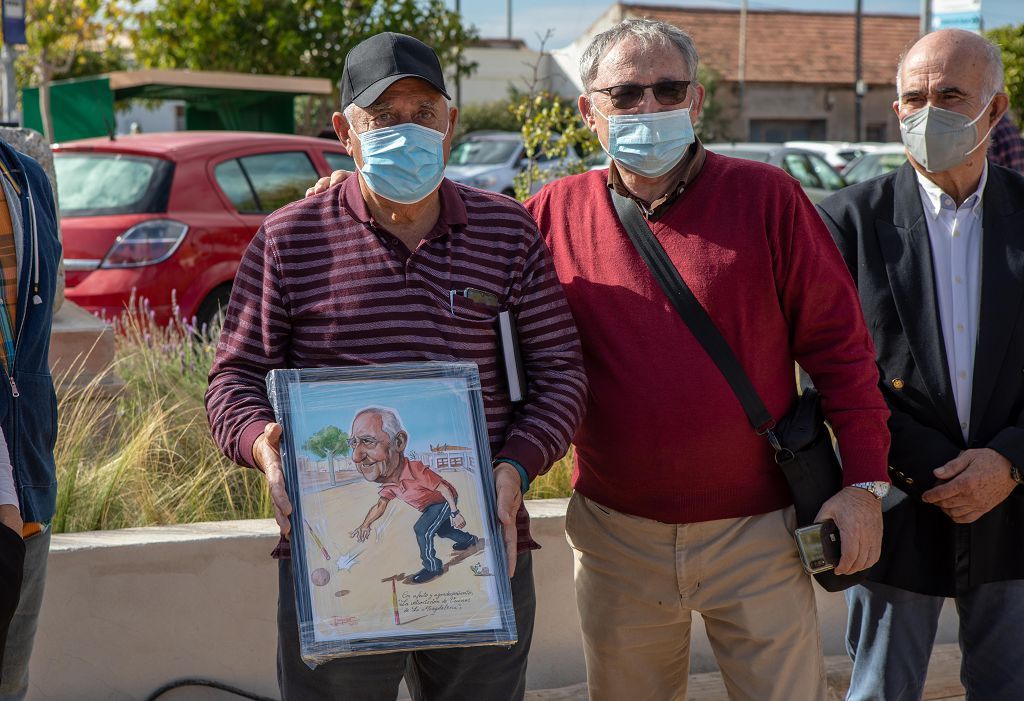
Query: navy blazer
[
  {"x": 882, "y": 233},
  {"x": 29, "y": 420}
]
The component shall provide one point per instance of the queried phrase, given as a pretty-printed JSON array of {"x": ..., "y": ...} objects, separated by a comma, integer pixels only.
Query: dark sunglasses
[{"x": 666, "y": 92}]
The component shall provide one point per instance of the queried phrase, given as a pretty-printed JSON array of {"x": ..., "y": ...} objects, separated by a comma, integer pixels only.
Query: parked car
[
  {"x": 885, "y": 159},
  {"x": 490, "y": 160},
  {"x": 837, "y": 154},
  {"x": 817, "y": 177},
  {"x": 172, "y": 213},
  {"x": 597, "y": 160}
]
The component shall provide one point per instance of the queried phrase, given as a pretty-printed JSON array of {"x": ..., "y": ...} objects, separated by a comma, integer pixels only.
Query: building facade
[{"x": 784, "y": 75}]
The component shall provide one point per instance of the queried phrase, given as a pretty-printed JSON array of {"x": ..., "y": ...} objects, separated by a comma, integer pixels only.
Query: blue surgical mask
[
  {"x": 649, "y": 144},
  {"x": 404, "y": 163}
]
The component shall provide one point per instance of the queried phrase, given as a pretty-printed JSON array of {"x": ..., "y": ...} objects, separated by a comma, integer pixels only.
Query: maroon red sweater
[{"x": 664, "y": 436}]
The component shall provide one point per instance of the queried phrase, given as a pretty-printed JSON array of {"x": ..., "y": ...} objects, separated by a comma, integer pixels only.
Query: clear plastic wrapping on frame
[{"x": 395, "y": 539}]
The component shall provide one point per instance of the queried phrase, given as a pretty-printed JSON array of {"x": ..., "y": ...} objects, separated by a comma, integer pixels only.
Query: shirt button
[
  {"x": 963, "y": 425},
  {"x": 960, "y": 328},
  {"x": 962, "y": 375},
  {"x": 957, "y": 279}
]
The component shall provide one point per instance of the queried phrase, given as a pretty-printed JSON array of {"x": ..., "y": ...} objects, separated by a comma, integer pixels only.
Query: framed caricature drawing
[{"x": 395, "y": 540}]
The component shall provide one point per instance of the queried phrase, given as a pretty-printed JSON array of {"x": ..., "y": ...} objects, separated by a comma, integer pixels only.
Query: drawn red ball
[{"x": 320, "y": 576}]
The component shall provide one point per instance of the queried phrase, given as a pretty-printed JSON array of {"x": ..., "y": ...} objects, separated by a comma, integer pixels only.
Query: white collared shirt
[{"x": 955, "y": 234}]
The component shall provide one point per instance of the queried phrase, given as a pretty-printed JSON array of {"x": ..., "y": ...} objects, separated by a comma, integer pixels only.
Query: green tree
[
  {"x": 67, "y": 38},
  {"x": 497, "y": 114},
  {"x": 289, "y": 37},
  {"x": 714, "y": 122},
  {"x": 328, "y": 442},
  {"x": 1011, "y": 40},
  {"x": 552, "y": 129},
  {"x": 89, "y": 62}
]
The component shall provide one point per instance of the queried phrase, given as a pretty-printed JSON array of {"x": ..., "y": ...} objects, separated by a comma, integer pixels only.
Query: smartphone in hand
[{"x": 819, "y": 546}]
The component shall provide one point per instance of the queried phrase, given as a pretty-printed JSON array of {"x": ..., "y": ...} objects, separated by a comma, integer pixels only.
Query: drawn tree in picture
[{"x": 328, "y": 442}]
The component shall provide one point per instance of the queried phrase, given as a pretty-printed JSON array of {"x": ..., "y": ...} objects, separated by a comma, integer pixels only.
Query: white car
[
  {"x": 816, "y": 176},
  {"x": 884, "y": 159},
  {"x": 490, "y": 160},
  {"x": 836, "y": 153}
]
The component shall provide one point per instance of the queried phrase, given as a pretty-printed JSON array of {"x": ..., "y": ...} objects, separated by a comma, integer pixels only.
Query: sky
[
  {"x": 433, "y": 411},
  {"x": 570, "y": 18}
]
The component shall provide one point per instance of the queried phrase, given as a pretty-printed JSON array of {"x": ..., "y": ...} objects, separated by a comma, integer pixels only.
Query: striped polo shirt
[{"x": 323, "y": 285}]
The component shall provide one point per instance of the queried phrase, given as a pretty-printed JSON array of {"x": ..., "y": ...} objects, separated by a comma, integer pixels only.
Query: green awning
[{"x": 84, "y": 107}]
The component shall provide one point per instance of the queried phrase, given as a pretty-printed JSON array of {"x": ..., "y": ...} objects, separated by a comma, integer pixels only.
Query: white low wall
[{"x": 126, "y": 611}]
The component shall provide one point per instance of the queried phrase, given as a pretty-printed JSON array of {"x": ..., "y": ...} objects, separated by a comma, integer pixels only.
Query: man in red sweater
[{"x": 679, "y": 506}]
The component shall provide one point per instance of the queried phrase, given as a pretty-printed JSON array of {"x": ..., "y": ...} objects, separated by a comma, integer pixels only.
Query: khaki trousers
[{"x": 638, "y": 582}]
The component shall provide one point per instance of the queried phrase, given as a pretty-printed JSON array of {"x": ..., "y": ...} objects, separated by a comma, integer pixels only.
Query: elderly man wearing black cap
[{"x": 400, "y": 264}]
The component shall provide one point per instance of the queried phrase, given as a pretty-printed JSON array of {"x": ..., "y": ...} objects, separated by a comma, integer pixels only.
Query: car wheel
[{"x": 210, "y": 315}]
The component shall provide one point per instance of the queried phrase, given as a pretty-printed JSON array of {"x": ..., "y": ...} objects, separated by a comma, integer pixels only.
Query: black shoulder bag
[{"x": 800, "y": 440}]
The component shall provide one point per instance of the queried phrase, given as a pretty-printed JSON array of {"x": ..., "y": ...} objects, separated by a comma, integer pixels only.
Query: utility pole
[
  {"x": 926, "y": 17},
  {"x": 508, "y": 18},
  {"x": 741, "y": 69},
  {"x": 859, "y": 88},
  {"x": 13, "y": 34},
  {"x": 8, "y": 81}
]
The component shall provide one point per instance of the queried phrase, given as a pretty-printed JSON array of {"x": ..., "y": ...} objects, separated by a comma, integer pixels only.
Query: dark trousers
[
  {"x": 890, "y": 634},
  {"x": 487, "y": 673},
  {"x": 436, "y": 520},
  {"x": 12, "y": 560}
]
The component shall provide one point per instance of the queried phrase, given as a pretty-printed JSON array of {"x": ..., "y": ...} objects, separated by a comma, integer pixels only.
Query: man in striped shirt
[{"x": 400, "y": 264}]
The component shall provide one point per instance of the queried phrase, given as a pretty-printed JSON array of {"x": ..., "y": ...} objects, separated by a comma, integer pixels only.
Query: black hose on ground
[{"x": 220, "y": 686}]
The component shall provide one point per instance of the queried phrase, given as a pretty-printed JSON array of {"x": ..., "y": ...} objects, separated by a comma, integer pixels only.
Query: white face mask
[{"x": 941, "y": 139}]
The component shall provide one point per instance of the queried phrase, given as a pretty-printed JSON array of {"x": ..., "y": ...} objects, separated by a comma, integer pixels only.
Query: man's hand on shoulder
[
  {"x": 508, "y": 490},
  {"x": 973, "y": 484},
  {"x": 266, "y": 452},
  {"x": 858, "y": 515},
  {"x": 327, "y": 182}
]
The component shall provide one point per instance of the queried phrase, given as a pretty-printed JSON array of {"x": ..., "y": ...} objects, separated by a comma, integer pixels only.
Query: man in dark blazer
[{"x": 937, "y": 251}]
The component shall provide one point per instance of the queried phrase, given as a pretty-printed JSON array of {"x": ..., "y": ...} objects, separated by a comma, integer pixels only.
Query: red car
[{"x": 157, "y": 214}]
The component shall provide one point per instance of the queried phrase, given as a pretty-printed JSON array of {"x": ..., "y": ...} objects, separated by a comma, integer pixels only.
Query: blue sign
[
  {"x": 14, "y": 21},
  {"x": 971, "y": 21}
]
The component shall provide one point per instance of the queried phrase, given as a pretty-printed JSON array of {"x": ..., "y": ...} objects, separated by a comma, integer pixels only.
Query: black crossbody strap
[{"x": 691, "y": 311}]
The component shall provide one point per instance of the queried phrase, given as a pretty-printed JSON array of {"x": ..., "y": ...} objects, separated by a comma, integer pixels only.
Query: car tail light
[{"x": 146, "y": 243}]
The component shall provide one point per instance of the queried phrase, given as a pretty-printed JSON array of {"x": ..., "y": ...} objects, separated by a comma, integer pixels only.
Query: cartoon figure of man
[{"x": 378, "y": 445}]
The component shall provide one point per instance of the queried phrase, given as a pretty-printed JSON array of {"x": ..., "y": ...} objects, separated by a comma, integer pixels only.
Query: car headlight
[{"x": 146, "y": 243}]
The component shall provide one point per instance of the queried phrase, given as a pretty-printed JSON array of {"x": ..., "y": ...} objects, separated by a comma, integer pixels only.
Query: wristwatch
[
  {"x": 1016, "y": 474},
  {"x": 877, "y": 489}
]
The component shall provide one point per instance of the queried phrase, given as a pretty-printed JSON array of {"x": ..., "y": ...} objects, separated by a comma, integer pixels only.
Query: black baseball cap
[{"x": 374, "y": 64}]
